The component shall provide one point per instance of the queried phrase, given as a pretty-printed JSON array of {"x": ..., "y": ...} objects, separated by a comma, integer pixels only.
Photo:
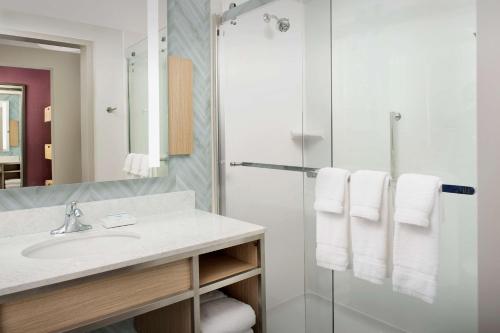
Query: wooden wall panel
[
  {"x": 180, "y": 106},
  {"x": 14, "y": 133}
]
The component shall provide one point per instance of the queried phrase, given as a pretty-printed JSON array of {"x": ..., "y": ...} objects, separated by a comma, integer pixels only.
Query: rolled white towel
[
  {"x": 13, "y": 181},
  {"x": 226, "y": 315}
]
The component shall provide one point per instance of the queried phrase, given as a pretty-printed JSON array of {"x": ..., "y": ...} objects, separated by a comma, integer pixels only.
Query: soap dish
[{"x": 118, "y": 220}]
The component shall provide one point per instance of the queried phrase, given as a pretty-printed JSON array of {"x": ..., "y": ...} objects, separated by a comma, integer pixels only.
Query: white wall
[
  {"x": 489, "y": 164},
  {"x": 110, "y": 130},
  {"x": 65, "y": 81},
  {"x": 125, "y": 15}
]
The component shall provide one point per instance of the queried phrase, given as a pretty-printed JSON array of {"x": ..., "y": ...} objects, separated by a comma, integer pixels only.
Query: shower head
[{"x": 283, "y": 24}]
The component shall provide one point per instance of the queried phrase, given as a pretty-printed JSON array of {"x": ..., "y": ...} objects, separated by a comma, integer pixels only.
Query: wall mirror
[{"x": 84, "y": 92}]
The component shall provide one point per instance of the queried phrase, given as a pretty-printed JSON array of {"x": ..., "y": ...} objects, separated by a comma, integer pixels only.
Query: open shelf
[
  {"x": 226, "y": 263},
  {"x": 218, "y": 266}
]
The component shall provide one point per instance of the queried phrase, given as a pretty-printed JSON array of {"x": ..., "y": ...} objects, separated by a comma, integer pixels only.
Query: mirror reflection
[
  {"x": 12, "y": 123},
  {"x": 75, "y": 97}
]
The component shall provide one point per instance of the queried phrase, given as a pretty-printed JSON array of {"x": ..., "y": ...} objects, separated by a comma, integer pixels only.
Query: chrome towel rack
[{"x": 313, "y": 172}]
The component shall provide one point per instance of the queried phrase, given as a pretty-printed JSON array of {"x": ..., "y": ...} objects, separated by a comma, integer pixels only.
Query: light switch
[
  {"x": 48, "y": 151},
  {"x": 48, "y": 114}
]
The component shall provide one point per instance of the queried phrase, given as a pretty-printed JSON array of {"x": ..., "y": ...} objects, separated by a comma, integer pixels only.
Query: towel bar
[{"x": 313, "y": 172}]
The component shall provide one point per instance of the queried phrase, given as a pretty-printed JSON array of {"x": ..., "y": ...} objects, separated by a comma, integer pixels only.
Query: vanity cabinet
[{"x": 161, "y": 295}]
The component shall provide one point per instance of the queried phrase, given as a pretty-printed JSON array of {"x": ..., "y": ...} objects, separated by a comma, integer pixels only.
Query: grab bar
[{"x": 313, "y": 172}]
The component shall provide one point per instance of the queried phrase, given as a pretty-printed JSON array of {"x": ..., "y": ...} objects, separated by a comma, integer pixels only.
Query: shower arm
[{"x": 269, "y": 17}]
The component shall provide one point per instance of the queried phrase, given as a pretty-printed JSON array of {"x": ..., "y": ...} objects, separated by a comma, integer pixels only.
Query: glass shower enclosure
[
  {"x": 416, "y": 58},
  {"x": 313, "y": 83}
]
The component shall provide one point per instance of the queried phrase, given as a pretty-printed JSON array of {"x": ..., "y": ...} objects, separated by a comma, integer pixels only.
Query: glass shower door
[
  {"x": 275, "y": 88},
  {"x": 417, "y": 58}
]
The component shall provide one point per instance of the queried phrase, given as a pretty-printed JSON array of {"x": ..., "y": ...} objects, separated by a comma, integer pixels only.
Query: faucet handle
[
  {"x": 78, "y": 212},
  {"x": 70, "y": 207}
]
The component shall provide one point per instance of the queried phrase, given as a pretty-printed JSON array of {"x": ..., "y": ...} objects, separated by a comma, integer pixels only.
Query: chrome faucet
[{"x": 71, "y": 223}]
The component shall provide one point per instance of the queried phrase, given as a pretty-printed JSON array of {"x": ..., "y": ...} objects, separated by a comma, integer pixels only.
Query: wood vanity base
[
  {"x": 142, "y": 293},
  {"x": 89, "y": 301}
]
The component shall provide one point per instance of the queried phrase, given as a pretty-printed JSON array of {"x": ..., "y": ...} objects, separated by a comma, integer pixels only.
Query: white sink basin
[{"x": 78, "y": 245}]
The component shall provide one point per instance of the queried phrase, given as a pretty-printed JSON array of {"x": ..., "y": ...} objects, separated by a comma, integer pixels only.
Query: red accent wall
[{"x": 37, "y": 132}]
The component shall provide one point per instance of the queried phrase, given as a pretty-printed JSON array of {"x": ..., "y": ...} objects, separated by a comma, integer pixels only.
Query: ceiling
[{"x": 126, "y": 15}]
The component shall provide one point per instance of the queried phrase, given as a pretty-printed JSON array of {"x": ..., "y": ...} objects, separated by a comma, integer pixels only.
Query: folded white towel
[
  {"x": 332, "y": 219},
  {"x": 13, "y": 181},
  {"x": 136, "y": 164},
  {"x": 144, "y": 169},
  {"x": 369, "y": 197},
  {"x": 212, "y": 296},
  {"x": 367, "y": 189},
  {"x": 416, "y": 236},
  {"x": 415, "y": 199},
  {"x": 226, "y": 315},
  {"x": 330, "y": 190},
  {"x": 127, "y": 167}
]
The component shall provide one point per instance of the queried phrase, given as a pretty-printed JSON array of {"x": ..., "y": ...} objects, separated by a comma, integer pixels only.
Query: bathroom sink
[{"x": 78, "y": 245}]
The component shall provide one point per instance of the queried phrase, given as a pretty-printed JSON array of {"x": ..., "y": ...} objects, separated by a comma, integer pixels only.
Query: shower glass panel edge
[{"x": 317, "y": 153}]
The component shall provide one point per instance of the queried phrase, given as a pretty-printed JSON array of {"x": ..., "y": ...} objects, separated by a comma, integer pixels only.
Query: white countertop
[{"x": 162, "y": 236}]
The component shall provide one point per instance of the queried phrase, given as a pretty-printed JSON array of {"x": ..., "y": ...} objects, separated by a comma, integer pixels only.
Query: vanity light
[
  {"x": 153, "y": 84},
  {"x": 59, "y": 48}
]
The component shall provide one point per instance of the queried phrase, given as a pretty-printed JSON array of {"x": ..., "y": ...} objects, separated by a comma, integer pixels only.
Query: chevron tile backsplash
[{"x": 188, "y": 36}]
